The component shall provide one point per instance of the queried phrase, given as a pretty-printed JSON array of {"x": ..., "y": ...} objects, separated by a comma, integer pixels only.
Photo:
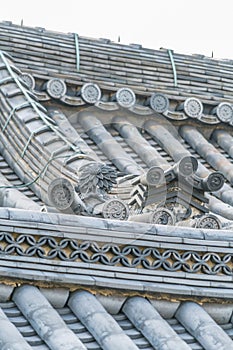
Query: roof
[
  {"x": 33, "y": 318},
  {"x": 113, "y": 65},
  {"x": 152, "y": 163},
  {"x": 133, "y": 141},
  {"x": 116, "y": 195}
]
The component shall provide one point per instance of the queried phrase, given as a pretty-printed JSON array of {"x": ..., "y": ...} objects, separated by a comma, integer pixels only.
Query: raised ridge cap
[{"x": 131, "y": 46}]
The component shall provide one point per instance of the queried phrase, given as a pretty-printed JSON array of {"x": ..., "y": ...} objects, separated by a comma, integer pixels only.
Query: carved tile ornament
[
  {"x": 113, "y": 254},
  {"x": 56, "y": 88},
  {"x": 96, "y": 178},
  {"x": 155, "y": 176},
  {"x": 224, "y": 112},
  {"x": 214, "y": 182},
  {"x": 91, "y": 194},
  {"x": 125, "y": 97},
  {"x": 174, "y": 195},
  {"x": 29, "y": 80},
  {"x": 162, "y": 216},
  {"x": 61, "y": 194},
  {"x": 166, "y": 197},
  {"x": 159, "y": 103},
  {"x": 90, "y": 93},
  {"x": 115, "y": 209},
  {"x": 209, "y": 222},
  {"x": 193, "y": 107}
]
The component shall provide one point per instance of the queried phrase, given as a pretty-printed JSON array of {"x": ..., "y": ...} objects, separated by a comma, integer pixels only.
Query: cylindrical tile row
[
  {"x": 10, "y": 337},
  {"x": 138, "y": 143},
  {"x": 148, "y": 321},
  {"x": 197, "y": 321},
  {"x": 31, "y": 140},
  {"x": 109, "y": 146},
  {"x": 45, "y": 319},
  {"x": 217, "y": 160},
  {"x": 102, "y": 325}
]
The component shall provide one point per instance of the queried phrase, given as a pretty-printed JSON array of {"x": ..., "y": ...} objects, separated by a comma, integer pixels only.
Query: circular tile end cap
[
  {"x": 56, "y": 88},
  {"x": 209, "y": 221},
  {"x": 155, "y": 176},
  {"x": 90, "y": 93},
  {"x": 159, "y": 102},
  {"x": 162, "y": 216},
  {"x": 214, "y": 182},
  {"x": 126, "y": 97},
  {"x": 188, "y": 166},
  {"x": 61, "y": 193},
  {"x": 29, "y": 80},
  {"x": 193, "y": 107},
  {"x": 224, "y": 112},
  {"x": 115, "y": 209}
]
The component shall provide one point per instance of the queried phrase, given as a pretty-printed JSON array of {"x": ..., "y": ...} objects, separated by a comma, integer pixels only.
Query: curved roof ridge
[{"x": 131, "y": 46}]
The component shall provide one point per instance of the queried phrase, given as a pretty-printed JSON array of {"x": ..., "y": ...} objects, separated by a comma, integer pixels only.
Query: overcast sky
[{"x": 186, "y": 26}]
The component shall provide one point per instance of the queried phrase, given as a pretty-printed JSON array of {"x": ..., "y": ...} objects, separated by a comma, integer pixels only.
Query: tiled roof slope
[
  {"x": 42, "y": 319},
  {"x": 131, "y": 139},
  {"x": 49, "y": 131},
  {"x": 114, "y": 65}
]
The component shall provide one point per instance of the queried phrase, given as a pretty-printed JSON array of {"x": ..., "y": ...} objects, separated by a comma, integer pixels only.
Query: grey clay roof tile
[
  {"x": 54, "y": 319},
  {"x": 31, "y": 321}
]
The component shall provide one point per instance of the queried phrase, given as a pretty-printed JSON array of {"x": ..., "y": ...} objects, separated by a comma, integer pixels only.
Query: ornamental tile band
[{"x": 130, "y": 256}]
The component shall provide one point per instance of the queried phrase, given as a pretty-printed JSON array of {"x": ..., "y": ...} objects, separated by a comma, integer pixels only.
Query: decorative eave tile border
[
  {"x": 70, "y": 250},
  {"x": 176, "y": 85},
  {"x": 91, "y": 94}
]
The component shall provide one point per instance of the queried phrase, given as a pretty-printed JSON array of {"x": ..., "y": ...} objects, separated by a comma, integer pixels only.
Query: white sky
[{"x": 191, "y": 26}]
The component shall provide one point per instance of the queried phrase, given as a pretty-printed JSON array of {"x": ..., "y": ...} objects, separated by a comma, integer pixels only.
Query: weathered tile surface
[{"x": 139, "y": 324}]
